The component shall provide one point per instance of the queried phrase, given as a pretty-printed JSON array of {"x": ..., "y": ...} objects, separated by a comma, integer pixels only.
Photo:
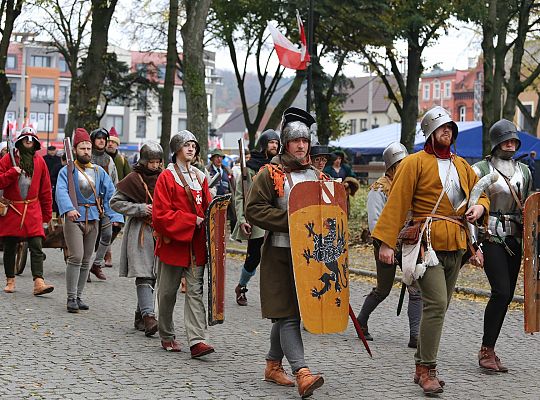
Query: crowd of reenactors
[{"x": 420, "y": 215}]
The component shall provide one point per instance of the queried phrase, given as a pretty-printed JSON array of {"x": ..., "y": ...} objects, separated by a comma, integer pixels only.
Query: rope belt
[
  {"x": 25, "y": 202},
  {"x": 455, "y": 219}
]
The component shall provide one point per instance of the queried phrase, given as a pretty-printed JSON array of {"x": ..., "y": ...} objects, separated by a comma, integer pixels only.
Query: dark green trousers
[
  {"x": 36, "y": 255},
  {"x": 437, "y": 286}
]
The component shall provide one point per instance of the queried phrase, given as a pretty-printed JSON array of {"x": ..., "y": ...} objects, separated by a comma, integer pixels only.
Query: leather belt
[
  {"x": 455, "y": 219},
  {"x": 25, "y": 202}
]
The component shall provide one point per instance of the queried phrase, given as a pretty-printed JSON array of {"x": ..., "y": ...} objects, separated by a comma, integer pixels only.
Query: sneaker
[
  {"x": 172, "y": 345},
  {"x": 72, "y": 306},
  {"x": 82, "y": 305},
  {"x": 200, "y": 349},
  {"x": 241, "y": 298}
]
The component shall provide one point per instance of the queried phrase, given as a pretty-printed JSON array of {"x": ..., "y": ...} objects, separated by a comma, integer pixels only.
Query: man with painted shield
[
  {"x": 435, "y": 184},
  {"x": 268, "y": 147},
  {"x": 181, "y": 200},
  {"x": 502, "y": 242},
  {"x": 393, "y": 154},
  {"x": 267, "y": 207}
]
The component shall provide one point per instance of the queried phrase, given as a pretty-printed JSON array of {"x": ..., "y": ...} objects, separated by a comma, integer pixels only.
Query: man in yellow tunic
[{"x": 418, "y": 186}]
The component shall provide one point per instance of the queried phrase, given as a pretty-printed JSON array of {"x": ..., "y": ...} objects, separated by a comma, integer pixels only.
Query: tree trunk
[
  {"x": 12, "y": 10},
  {"x": 82, "y": 113},
  {"x": 194, "y": 70},
  {"x": 409, "y": 115},
  {"x": 286, "y": 100},
  {"x": 170, "y": 76}
]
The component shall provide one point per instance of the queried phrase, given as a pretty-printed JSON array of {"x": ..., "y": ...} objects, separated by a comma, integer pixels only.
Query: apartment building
[{"x": 40, "y": 83}]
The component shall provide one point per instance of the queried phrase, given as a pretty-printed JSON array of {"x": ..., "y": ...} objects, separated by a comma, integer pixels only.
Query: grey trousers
[
  {"x": 145, "y": 295},
  {"x": 169, "y": 278},
  {"x": 286, "y": 340},
  {"x": 80, "y": 245},
  {"x": 104, "y": 240}
]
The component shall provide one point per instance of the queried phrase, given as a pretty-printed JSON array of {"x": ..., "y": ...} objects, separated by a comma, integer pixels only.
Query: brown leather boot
[
  {"x": 428, "y": 379},
  {"x": 487, "y": 359},
  {"x": 150, "y": 325},
  {"x": 108, "y": 259},
  {"x": 138, "y": 323},
  {"x": 41, "y": 288},
  {"x": 275, "y": 373},
  {"x": 417, "y": 375},
  {"x": 502, "y": 368},
  {"x": 98, "y": 272},
  {"x": 10, "y": 285},
  {"x": 307, "y": 382}
]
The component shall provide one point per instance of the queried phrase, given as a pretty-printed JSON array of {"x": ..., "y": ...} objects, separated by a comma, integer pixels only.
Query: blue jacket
[{"x": 104, "y": 189}]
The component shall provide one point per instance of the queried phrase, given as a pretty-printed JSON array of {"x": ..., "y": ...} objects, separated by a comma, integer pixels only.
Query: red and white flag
[{"x": 289, "y": 55}]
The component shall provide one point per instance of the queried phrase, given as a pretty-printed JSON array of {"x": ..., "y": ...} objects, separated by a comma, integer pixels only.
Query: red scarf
[{"x": 433, "y": 147}]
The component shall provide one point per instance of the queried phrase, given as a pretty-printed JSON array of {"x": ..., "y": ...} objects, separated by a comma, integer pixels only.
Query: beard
[{"x": 83, "y": 159}]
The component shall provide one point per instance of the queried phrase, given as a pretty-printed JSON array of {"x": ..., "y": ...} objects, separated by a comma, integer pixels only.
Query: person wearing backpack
[{"x": 502, "y": 241}]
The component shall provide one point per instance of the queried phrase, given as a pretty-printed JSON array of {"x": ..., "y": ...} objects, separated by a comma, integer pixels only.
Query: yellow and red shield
[
  {"x": 216, "y": 220},
  {"x": 531, "y": 267},
  {"x": 319, "y": 245}
]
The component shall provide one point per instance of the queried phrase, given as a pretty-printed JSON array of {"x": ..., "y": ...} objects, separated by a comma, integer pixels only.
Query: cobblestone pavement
[{"x": 46, "y": 353}]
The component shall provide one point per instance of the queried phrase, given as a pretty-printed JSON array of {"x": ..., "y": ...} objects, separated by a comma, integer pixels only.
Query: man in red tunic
[
  {"x": 27, "y": 188},
  {"x": 181, "y": 198}
]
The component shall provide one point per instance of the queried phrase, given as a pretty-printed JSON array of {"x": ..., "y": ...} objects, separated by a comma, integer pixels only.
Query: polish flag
[{"x": 289, "y": 55}]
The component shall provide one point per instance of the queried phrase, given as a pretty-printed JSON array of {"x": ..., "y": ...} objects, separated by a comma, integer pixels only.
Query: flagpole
[{"x": 310, "y": 52}]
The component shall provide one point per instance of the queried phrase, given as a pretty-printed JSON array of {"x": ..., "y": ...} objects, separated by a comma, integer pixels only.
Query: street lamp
[{"x": 49, "y": 102}]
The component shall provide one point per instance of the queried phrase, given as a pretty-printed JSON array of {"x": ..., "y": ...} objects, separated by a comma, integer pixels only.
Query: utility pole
[{"x": 310, "y": 51}]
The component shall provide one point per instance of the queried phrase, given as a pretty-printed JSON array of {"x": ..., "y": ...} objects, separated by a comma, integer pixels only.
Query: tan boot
[
  {"x": 10, "y": 285},
  {"x": 307, "y": 382},
  {"x": 275, "y": 373},
  {"x": 150, "y": 325},
  {"x": 487, "y": 359},
  {"x": 428, "y": 380},
  {"x": 419, "y": 371},
  {"x": 41, "y": 288}
]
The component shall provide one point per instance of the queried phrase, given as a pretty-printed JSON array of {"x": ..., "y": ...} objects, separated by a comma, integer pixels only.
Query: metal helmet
[
  {"x": 178, "y": 140},
  {"x": 99, "y": 133},
  {"x": 296, "y": 123},
  {"x": 151, "y": 150},
  {"x": 265, "y": 137},
  {"x": 393, "y": 153},
  {"x": 502, "y": 131},
  {"x": 28, "y": 131},
  {"x": 435, "y": 118}
]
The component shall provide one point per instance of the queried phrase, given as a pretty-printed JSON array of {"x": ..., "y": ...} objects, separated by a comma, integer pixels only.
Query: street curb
[{"x": 371, "y": 274}]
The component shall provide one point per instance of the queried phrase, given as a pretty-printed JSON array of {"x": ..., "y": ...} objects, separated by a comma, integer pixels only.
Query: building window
[
  {"x": 62, "y": 65},
  {"x": 142, "y": 99},
  {"x": 13, "y": 87},
  {"x": 447, "y": 89},
  {"x": 462, "y": 113},
  {"x": 41, "y": 92},
  {"x": 524, "y": 123},
  {"x": 61, "y": 122},
  {"x": 161, "y": 72},
  {"x": 436, "y": 90},
  {"x": 40, "y": 61},
  {"x": 182, "y": 105},
  {"x": 363, "y": 124},
  {"x": 63, "y": 94},
  {"x": 158, "y": 130},
  {"x": 182, "y": 124},
  {"x": 11, "y": 62},
  {"x": 352, "y": 126},
  {"x": 141, "y": 127},
  {"x": 141, "y": 69},
  {"x": 40, "y": 119},
  {"x": 209, "y": 102},
  {"x": 425, "y": 95},
  {"x": 10, "y": 116},
  {"x": 118, "y": 122}
]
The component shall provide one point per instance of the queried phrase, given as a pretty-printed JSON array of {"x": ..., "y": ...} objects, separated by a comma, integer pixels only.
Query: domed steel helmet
[
  {"x": 151, "y": 150},
  {"x": 265, "y": 137},
  {"x": 393, "y": 153},
  {"x": 435, "y": 118},
  {"x": 99, "y": 133},
  {"x": 502, "y": 131},
  {"x": 30, "y": 132},
  {"x": 178, "y": 140},
  {"x": 296, "y": 123}
]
